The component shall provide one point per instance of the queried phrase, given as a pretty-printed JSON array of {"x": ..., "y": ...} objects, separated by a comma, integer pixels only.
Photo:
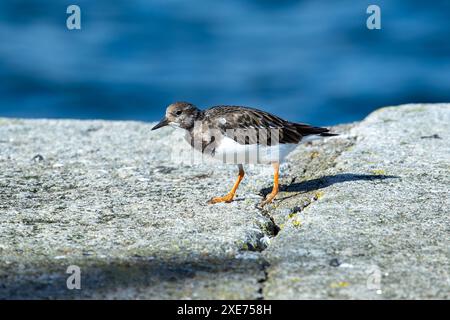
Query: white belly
[{"x": 231, "y": 152}]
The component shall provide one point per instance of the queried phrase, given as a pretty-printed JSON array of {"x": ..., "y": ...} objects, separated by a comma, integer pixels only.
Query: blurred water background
[{"x": 310, "y": 61}]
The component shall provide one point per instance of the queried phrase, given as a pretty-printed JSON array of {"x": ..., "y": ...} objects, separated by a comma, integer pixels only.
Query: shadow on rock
[
  {"x": 128, "y": 278},
  {"x": 326, "y": 181}
]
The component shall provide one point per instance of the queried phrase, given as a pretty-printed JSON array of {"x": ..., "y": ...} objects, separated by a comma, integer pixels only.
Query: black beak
[{"x": 162, "y": 123}]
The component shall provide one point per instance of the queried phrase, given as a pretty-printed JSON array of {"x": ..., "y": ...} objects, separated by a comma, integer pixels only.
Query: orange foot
[
  {"x": 228, "y": 198},
  {"x": 269, "y": 198}
]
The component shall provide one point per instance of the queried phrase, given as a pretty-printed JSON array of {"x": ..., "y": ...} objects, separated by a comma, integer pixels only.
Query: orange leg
[
  {"x": 229, "y": 197},
  {"x": 271, "y": 196}
]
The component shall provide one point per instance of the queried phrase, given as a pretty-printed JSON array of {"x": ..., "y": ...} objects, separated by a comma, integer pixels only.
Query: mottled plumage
[
  {"x": 229, "y": 118},
  {"x": 239, "y": 135}
]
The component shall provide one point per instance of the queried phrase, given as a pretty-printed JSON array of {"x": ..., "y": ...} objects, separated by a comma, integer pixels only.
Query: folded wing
[{"x": 251, "y": 126}]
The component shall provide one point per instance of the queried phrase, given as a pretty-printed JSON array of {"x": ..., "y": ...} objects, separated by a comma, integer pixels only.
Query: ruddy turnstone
[{"x": 239, "y": 135}]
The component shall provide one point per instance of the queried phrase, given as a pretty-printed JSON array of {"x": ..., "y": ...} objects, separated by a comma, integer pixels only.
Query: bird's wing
[{"x": 251, "y": 126}]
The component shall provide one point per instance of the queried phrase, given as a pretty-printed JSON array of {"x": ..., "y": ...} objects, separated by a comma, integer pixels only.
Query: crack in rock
[{"x": 328, "y": 161}]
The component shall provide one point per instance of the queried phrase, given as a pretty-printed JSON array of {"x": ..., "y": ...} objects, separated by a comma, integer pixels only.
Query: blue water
[{"x": 309, "y": 61}]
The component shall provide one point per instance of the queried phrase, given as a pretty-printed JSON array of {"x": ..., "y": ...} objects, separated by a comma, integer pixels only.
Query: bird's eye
[{"x": 178, "y": 112}]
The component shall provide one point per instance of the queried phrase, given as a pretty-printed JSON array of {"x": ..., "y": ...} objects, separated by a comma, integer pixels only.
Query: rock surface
[{"x": 362, "y": 215}]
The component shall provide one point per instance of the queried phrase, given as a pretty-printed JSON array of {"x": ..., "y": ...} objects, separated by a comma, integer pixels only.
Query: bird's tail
[
  {"x": 306, "y": 130},
  {"x": 328, "y": 134}
]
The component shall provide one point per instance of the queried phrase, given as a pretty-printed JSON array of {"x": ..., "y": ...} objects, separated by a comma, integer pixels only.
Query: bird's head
[{"x": 180, "y": 114}]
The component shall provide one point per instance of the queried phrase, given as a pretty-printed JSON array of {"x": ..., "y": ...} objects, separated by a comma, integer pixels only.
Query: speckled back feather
[{"x": 239, "y": 123}]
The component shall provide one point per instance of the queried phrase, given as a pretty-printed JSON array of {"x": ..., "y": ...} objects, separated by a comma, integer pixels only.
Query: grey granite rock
[
  {"x": 111, "y": 198},
  {"x": 363, "y": 215},
  {"x": 377, "y": 220}
]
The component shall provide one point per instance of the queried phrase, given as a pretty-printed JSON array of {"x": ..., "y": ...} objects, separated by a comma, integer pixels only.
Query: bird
[{"x": 240, "y": 135}]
